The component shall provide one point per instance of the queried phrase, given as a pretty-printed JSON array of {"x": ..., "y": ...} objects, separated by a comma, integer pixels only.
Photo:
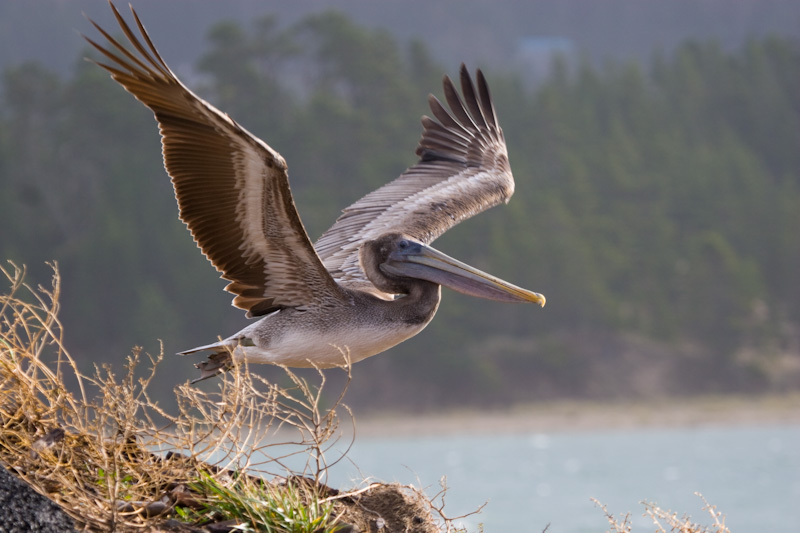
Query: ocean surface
[{"x": 532, "y": 480}]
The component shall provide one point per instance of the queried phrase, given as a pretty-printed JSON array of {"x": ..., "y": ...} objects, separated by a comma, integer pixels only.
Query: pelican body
[{"x": 372, "y": 280}]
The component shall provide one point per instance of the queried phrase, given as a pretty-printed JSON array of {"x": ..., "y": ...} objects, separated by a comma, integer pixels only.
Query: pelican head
[{"x": 394, "y": 260}]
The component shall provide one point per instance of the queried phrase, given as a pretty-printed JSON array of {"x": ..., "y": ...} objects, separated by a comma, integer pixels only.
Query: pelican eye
[{"x": 403, "y": 244}]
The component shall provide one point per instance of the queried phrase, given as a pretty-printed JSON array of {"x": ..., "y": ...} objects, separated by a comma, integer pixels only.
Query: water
[{"x": 752, "y": 475}]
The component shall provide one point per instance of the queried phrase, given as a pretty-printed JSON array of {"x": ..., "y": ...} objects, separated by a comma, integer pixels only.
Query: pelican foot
[{"x": 218, "y": 362}]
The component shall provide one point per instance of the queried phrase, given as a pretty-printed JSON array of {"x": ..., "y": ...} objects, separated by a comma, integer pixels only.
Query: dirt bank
[{"x": 582, "y": 416}]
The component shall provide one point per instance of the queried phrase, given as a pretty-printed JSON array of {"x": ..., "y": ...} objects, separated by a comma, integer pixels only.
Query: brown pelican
[{"x": 372, "y": 280}]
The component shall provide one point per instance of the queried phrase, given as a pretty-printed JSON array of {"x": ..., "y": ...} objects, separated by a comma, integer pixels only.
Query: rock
[{"x": 24, "y": 509}]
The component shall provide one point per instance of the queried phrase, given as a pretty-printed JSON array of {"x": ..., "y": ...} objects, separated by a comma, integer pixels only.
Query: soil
[
  {"x": 379, "y": 508},
  {"x": 390, "y": 508}
]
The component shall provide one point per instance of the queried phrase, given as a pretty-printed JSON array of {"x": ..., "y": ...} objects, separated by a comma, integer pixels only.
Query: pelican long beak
[{"x": 423, "y": 262}]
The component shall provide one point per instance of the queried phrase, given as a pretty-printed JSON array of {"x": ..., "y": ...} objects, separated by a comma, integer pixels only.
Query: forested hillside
[{"x": 657, "y": 209}]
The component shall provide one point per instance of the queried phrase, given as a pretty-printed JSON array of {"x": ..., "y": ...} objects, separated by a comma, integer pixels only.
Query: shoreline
[{"x": 569, "y": 416}]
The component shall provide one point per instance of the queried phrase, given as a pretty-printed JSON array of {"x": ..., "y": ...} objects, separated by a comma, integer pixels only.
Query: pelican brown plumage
[{"x": 372, "y": 280}]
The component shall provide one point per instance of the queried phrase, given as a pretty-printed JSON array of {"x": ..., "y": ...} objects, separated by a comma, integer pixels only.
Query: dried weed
[{"x": 663, "y": 519}]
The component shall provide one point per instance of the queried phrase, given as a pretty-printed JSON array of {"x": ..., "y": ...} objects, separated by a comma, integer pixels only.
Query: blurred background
[{"x": 655, "y": 146}]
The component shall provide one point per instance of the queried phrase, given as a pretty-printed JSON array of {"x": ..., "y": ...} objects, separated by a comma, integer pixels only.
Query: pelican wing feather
[
  {"x": 232, "y": 188},
  {"x": 462, "y": 170}
]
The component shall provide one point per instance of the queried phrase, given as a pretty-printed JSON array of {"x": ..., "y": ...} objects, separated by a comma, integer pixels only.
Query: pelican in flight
[{"x": 372, "y": 280}]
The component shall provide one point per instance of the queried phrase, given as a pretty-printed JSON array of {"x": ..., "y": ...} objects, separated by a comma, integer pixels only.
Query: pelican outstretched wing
[
  {"x": 232, "y": 189},
  {"x": 463, "y": 170}
]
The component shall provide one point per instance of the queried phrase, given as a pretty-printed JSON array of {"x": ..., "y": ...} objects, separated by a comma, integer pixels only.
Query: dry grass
[
  {"x": 114, "y": 460},
  {"x": 664, "y": 518}
]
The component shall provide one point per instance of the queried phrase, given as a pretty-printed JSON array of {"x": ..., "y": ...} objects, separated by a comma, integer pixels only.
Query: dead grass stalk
[{"x": 109, "y": 455}]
